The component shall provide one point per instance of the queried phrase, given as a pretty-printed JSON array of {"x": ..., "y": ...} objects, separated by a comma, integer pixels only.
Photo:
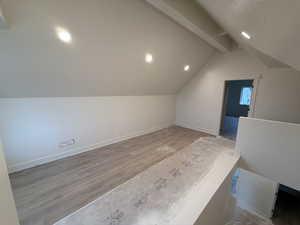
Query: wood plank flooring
[{"x": 47, "y": 193}]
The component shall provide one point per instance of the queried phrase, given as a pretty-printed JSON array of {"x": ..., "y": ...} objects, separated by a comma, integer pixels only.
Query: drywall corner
[{"x": 8, "y": 212}]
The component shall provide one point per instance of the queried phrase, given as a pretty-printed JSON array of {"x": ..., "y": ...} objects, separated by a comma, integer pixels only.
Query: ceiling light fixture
[
  {"x": 246, "y": 35},
  {"x": 187, "y": 68},
  {"x": 149, "y": 58},
  {"x": 64, "y": 35}
]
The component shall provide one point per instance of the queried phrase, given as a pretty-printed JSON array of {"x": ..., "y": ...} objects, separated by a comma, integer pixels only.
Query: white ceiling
[
  {"x": 106, "y": 57},
  {"x": 273, "y": 25},
  {"x": 195, "y": 19}
]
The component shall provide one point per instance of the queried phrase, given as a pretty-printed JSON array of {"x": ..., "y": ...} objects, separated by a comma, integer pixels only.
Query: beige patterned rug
[{"x": 155, "y": 196}]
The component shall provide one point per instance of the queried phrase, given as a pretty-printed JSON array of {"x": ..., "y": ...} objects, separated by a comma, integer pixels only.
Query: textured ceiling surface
[
  {"x": 106, "y": 56},
  {"x": 272, "y": 24}
]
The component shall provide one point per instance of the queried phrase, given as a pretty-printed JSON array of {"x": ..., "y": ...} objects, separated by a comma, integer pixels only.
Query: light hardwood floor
[{"x": 47, "y": 193}]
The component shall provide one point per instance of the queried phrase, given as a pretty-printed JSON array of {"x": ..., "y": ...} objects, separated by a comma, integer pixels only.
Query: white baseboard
[
  {"x": 36, "y": 162},
  {"x": 194, "y": 127}
]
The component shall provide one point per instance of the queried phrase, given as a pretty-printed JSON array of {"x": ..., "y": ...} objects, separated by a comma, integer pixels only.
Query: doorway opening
[
  {"x": 287, "y": 207},
  {"x": 237, "y": 102}
]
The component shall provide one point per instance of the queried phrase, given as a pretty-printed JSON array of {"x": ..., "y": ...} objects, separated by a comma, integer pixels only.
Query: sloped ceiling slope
[
  {"x": 193, "y": 17},
  {"x": 106, "y": 56},
  {"x": 272, "y": 24}
]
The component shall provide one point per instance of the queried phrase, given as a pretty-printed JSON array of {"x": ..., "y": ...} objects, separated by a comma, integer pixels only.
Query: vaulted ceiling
[
  {"x": 272, "y": 24},
  {"x": 110, "y": 39},
  {"x": 106, "y": 56},
  {"x": 194, "y": 18}
]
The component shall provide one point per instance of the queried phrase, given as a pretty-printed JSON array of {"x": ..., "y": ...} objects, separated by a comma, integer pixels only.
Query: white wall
[
  {"x": 32, "y": 128},
  {"x": 271, "y": 149},
  {"x": 199, "y": 103},
  {"x": 8, "y": 214},
  {"x": 256, "y": 193}
]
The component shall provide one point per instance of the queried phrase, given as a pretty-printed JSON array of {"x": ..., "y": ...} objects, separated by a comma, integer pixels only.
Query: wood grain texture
[{"x": 49, "y": 192}]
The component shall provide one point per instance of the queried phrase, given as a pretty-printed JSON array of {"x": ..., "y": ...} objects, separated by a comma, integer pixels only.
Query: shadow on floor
[
  {"x": 287, "y": 209},
  {"x": 230, "y": 127}
]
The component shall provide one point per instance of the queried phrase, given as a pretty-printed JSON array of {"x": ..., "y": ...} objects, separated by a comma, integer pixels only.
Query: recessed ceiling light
[
  {"x": 245, "y": 35},
  {"x": 187, "y": 68},
  {"x": 64, "y": 35},
  {"x": 149, "y": 58}
]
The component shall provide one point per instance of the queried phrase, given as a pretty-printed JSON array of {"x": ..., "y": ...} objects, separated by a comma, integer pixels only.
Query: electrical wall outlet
[{"x": 67, "y": 143}]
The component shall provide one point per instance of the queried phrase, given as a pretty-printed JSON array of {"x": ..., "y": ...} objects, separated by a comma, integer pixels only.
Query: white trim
[
  {"x": 256, "y": 82},
  {"x": 36, "y": 162},
  {"x": 272, "y": 121}
]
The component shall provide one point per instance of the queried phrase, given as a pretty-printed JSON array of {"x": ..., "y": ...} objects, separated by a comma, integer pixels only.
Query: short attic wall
[{"x": 40, "y": 130}]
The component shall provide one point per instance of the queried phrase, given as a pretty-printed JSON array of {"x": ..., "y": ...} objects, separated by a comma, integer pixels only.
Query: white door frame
[{"x": 256, "y": 80}]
